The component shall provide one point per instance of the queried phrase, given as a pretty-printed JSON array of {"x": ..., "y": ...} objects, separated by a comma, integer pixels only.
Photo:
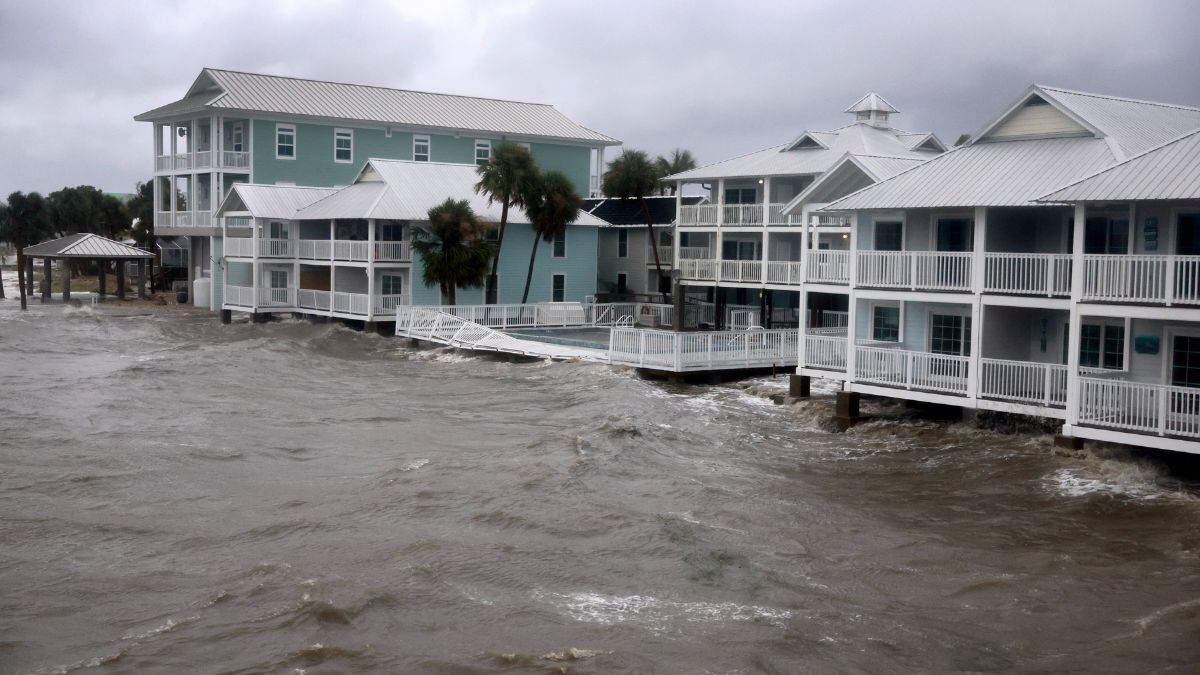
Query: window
[
  {"x": 1185, "y": 361},
  {"x": 1102, "y": 346},
  {"x": 491, "y": 289},
  {"x": 665, "y": 238},
  {"x": 1103, "y": 234},
  {"x": 421, "y": 148},
  {"x": 238, "y": 137},
  {"x": 285, "y": 141},
  {"x": 343, "y": 145},
  {"x": 391, "y": 231},
  {"x": 885, "y": 324},
  {"x": 954, "y": 234},
  {"x": 278, "y": 230},
  {"x": 560, "y": 244},
  {"x": 483, "y": 152},
  {"x": 889, "y": 235},
  {"x": 623, "y": 287},
  {"x": 950, "y": 334},
  {"x": 279, "y": 279},
  {"x": 739, "y": 250},
  {"x": 622, "y": 243},
  {"x": 391, "y": 284},
  {"x": 741, "y": 195},
  {"x": 1187, "y": 234},
  {"x": 558, "y": 288}
]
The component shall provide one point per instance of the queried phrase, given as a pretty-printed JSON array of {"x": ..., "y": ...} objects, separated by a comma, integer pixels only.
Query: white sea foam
[
  {"x": 413, "y": 465},
  {"x": 658, "y": 615}
]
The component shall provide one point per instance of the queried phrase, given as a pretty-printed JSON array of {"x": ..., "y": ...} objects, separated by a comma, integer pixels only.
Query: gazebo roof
[{"x": 85, "y": 245}]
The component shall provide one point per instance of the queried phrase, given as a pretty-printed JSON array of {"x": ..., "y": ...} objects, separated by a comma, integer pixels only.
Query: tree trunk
[
  {"x": 496, "y": 255},
  {"x": 1, "y": 277},
  {"x": 21, "y": 273},
  {"x": 529, "y": 274},
  {"x": 653, "y": 239}
]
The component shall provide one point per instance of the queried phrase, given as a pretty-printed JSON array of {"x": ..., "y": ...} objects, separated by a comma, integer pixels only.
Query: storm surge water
[{"x": 180, "y": 496}]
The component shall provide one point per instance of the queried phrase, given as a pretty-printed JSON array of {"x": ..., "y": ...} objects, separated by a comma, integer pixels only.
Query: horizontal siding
[{"x": 1036, "y": 120}]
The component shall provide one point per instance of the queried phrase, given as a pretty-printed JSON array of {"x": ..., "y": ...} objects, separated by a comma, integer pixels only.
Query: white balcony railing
[
  {"x": 1043, "y": 384},
  {"x": 666, "y": 255},
  {"x": 235, "y": 160},
  {"x": 183, "y": 162},
  {"x": 311, "y": 299},
  {"x": 1139, "y": 407},
  {"x": 912, "y": 370},
  {"x": 680, "y": 352},
  {"x": 827, "y": 352},
  {"x": 743, "y": 215},
  {"x": 784, "y": 272},
  {"x": 698, "y": 215},
  {"x": 694, "y": 252},
  {"x": 699, "y": 270},
  {"x": 352, "y": 250},
  {"x": 238, "y": 296},
  {"x": 183, "y": 219},
  {"x": 775, "y": 216},
  {"x": 915, "y": 270},
  {"x": 351, "y": 303},
  {"x": 828, "y": 266},
  {"x": 387, "y": 304},
  {"x": 204, "y": 219},
  {"x": 276, "y": 248},
  {"x": 162, "y": 219},
  {"x": 239, "y": 247},
  {"x": 1165, "y": 279},
  {"x": 164, "y": 163},
  {"x": 392, "y": 251},
  {"x": 741, "y": 270},
  {"x": 277, "y": 297},
  {"x": 204, "y": 159},
  {"x": 1046, "y": 274},
  {"x": 238, "y": 221},
  {"x": 314, "y": 249},
  {"x": 829, "y": 220}
]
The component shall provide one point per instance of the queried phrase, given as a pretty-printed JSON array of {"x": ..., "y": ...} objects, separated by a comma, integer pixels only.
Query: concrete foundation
[
  {"x": 846, "y": 413},
  {"x": 226, "y": 316},
  {"x": 1068, "y": 442},
  {"x": 260, "y": 318},
  {"x": 799, "y": 386}
]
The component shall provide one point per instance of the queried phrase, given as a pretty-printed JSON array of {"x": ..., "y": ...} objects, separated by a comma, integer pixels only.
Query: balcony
[
  {"x": 164, "y": 220},
  {"x": 906, "y": 369},
  {"x": 828, "y": 266},
  {"x": 735, "y": 215},
  {"x": 741, "y": 270},
  {"x": 202, "y": 160},
  {"x": 356, "y": 304},
  {"x": 245, "y": 296},
  {"x": 1142, "y": 279},
  {"x": 1047, "y": 274},
  {"x": 393, "y": 251},
  {"x": 915, "y": 270},
  {"x": 1158, "y": 409},
  {"x": 694, "y": 252},
  {"x": 786, "y": 272}
]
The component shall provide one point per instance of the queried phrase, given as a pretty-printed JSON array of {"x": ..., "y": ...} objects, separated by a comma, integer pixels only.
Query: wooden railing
[
  {"x": 1140, "y": 407},
  {"x": 912, "y": 370},
  {"x": 276, "y": 248},
  {"x": 238, "y": 221},
  {"x": 204, "y": 159},
  {"x": 235, "y": 160},
  {"x": 716, "y": 350},
  {"x": 1159, "y": 279},
  {"x": 741, "y": 270},
  {"x": 828, "y": 266},
  {"x": 314, "y": 249},
  {"x": 352, "y": 250},
  {"x": 915, "y": 270},
  {"x": 784, "y": 272},
  {"x": 277, "y": 297},
  {"x": 827, "y": 352},
  {"x": 392, "y": 251},
  {"x": 829, "y": 220},
  {"x": 775, "y": 216},
  {"x": 239, "y": 247},
  {"x": 743, "y": 215},
  {"x": 1046, "y": 274},
  {"x": 351, "y": 303},
  {"x": 666, "y": 255},
  {"x": 311, "y": 299},
  {"x": 387, "y": 304},
  {"x": 700, "y": 270},
  {"x": 238, "y": 296},
  {"x": 698, "y": 215},
  {"x": 694, "y": 252},
  {"x": 1042, "y": 384}
]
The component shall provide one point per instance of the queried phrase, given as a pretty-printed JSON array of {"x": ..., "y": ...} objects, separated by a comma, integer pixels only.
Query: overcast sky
[{"x": 720, "y": 78}]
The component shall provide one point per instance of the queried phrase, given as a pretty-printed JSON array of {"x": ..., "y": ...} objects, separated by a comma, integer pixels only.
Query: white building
[
  {"x": 977, "y": 280},
  {"x": 761, "y": 223}
]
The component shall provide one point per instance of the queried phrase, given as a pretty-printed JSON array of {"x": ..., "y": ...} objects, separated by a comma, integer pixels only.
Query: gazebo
[{"x": 85, "y": 246}]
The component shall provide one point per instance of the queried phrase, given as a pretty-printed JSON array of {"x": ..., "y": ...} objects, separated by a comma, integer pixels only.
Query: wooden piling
[
  {"x": 102, "y": 286},
  {"x": 46, "y": 279}
]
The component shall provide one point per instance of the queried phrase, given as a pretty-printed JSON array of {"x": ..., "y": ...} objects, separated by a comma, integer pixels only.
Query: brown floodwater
[{"x": 181, "y": 496}]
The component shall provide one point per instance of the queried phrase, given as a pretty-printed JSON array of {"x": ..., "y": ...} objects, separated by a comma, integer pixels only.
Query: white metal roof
[
  {"x": 1169, "y": 171},
  {"x": 253, "y": 92},
  {"x": 871, "y": 101},
  {"x": 858, "y": 138},
  {"x": 270, "y": 201},
  {"x": 406, "y": 190},
  {"x": 85, "y": 245},
  {"x": 1019, "y": 171}
]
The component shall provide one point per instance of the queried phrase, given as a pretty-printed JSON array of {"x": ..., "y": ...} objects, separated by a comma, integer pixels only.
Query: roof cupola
[{"x": 872, "y": 109}]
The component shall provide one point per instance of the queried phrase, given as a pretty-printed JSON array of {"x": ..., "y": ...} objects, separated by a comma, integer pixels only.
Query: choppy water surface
[{"x": 181, "y": 496}]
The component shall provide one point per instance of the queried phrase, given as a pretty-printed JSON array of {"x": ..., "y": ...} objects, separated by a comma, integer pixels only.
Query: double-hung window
[
  {"x": 343, "y": 145},
  {"x": 622, "y": 243},
  {"x": 950, "y": 334},
  {"x": 421, "y": 147},
  {"x": 391, "y": 284},
  {"x": 285, "y": 141},
  {"x": 483, "y": 152},
  {"x": 238, "y": 141},
  {"x": 560, "y": 244},
  {"x": 558, "y": 288},
  {"x": 1102, "y": 346},
  {"x": 1106, "y": 235},
  {"x": 885, "y": 323}
]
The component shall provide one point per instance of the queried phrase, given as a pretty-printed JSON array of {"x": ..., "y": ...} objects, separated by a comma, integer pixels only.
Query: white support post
[
  {"x": 371, "y": 268},
  {"x": 978, "y": 272},
  {"x": 1073, "y": 402},
  {"x": 255, "y": 273},
  {"x": 852, "y": 304},
  {"x": 766, "y": 201},
  {"x": 332, "y": 264},
  {"x": 977, "y": 333},
  {"x": 720, "y": 202},
  {"x": 802, "y": 322},
  {"x": 804, "y": 244},
  {"x": 678, "y": 237}
]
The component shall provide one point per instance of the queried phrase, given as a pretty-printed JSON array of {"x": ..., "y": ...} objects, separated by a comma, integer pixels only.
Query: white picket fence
[
  {"x": 911, "y": 370},
  {"x": 710, "y": 350},
  {"x": 915, "y": 270},
  {"x": 1046, "y": 274},
  {"x": 1142, "y": 279},
  {"x": 1156, "y": 409},
  {"x": 1043, "y": 384}
]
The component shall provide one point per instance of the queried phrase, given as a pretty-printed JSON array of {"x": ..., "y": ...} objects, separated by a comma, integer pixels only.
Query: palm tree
[
  {"x": 505, "y": 178},
  {"x": 680, "y": 161},
  {"x": 452, "y": 247},
  {"x": 632, "y": 176},
  {"x": 551, "y": 205},
  {"x": 26, "y": 224},
  {"x": 3, "y": 229}
]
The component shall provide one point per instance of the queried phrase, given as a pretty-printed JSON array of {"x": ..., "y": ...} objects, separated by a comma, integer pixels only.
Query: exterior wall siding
[{"x": 634, "y": 266}]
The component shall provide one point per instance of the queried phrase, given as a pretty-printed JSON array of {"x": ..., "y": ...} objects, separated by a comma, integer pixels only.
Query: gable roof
[
  {"x": 1019, "y": 171},
  {"x": 1168, "y": 171},
  {"x": 270, "y": 201},
  {"x": 849, "y": 173},
  {"x": 871, "y": 101},
  {"x": 783, "y": 160},
  {"x": 628, "y": 213},
  {"x": 253, "y": 92},
  {"x": 392, "y": 189},
  {"x": 85, "y": 245}
]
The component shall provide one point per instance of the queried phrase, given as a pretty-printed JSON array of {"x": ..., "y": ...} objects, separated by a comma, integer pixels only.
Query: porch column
[
  {"x": 141, "y": 268},
  {"x": 804, "y": 244},
  {"x": 46, "y": 279},
  {"x": 28, "y": 277},
  {"x": 720, "y": 202},
  {"x": 978, "y": 272},
  {"x": 852, "y": 304},
  {"x": 973, "y": 366},
  {"x": 66, "y": 284},
  {"x": 371, "y": 267},
  {"x": 1076, "y": 321},
  {"x": 802, "y": 325},
  {"x": 102, "y": 287},
  {"x": 121, "y": 280},
  {"x": 255, "y": 273},
  {"x": 678, "y": 238}
]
